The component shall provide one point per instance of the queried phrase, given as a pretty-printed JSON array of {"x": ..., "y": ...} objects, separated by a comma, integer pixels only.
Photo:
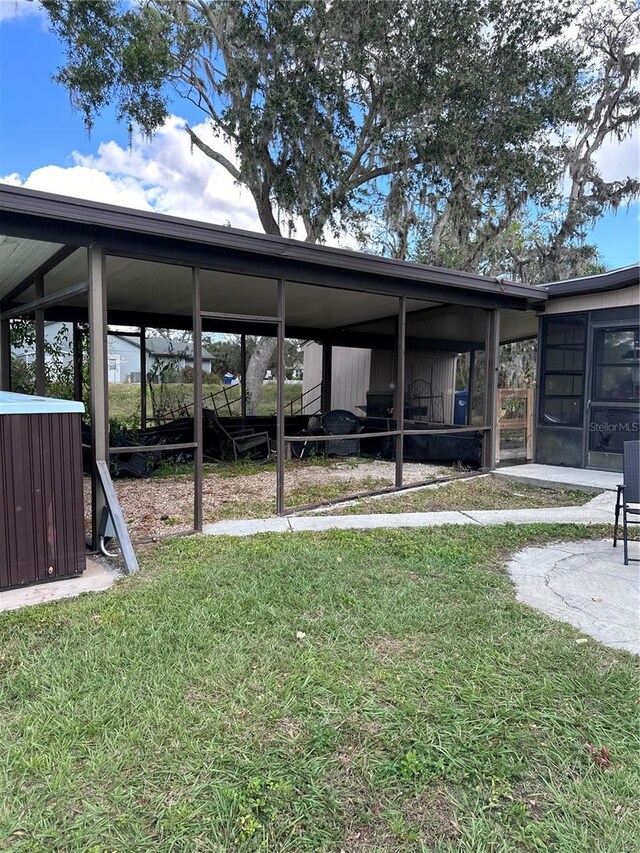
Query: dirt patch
[
  {"x": 387, "y": 648},
  {"x": 290, "y": 727},
  {"x": 161, "y": 506},
  {"x": 432, "y": 815},
  {"x": 370, "y": 838}
]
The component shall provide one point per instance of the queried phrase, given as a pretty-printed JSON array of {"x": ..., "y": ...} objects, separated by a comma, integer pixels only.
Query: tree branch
[{"x": 213, "y": 155}]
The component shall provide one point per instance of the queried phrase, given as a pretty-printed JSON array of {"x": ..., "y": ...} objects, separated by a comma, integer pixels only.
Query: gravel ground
[{"x": 156, "y": 507}]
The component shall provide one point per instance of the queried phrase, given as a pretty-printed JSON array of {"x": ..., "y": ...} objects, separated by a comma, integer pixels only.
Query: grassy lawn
[
  {"x": 124, "y": 398},
  {"x": 482, "y": 493},
  {"x": 419, "y": 708}
]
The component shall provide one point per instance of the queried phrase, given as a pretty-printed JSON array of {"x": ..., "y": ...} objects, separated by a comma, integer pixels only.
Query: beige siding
[
  {"x": 356, "y": 371},
  {"x": 350, "y": 379},
  {"x": 595, "y": 301},
  {"x": 436, "y": 367},
  {"x": 312, "y": 374},
  {"x": 350, "y": 376}
]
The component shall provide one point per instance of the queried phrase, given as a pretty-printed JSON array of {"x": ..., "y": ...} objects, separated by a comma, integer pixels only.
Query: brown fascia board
[
  {"x": 18, "y": 200},
  {"x": 612, "y": 280}
]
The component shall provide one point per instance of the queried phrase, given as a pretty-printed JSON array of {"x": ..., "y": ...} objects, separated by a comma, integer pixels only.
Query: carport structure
[{"x": 86, "y": 262}]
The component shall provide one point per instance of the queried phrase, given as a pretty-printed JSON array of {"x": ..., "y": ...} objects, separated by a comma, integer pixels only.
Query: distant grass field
[{"x": 124, "y": 398}]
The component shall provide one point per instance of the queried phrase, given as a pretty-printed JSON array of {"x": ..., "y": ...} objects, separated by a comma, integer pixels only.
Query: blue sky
[{"x": 44, "y": 145}]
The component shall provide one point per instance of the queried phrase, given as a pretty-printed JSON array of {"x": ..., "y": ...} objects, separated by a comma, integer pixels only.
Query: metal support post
[
  {"x": 400, "y": 380},
  {"x": 5, "y": 355},
  {"x": 197, "y": 402},
  {"x": 280, "y": 422},
  {"x": 98, "y": 365},
  {"x": 492, "y": 365},
  {"x": 243, "y": 373},
  {"x": 39, "y": 318},
  {"x": 77, "y": 363},
  {"x": 327, "y": 369},
  {"x": 143, "y": 377}
]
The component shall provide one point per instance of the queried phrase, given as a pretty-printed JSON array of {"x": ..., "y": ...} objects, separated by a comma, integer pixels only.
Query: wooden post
[
  {"x": 39, "y": 317},
  {"x": 327, "y": 370},
  {"x": 529, "y": 439},
  {"x": 399, "y": 395},
  {"x": 492, "y": 364},
  {"x": 197, "y": 403},
  {"x": 243, "y": 372},
  {"x": 471, "y": 385},
  {"x": 77, "y": 363},
  {"x": 143, "y": 377},
  {"x": 280, "y": 421},
  {"x": 5, "y": 355},
  {"x": 99, "y": 379}
]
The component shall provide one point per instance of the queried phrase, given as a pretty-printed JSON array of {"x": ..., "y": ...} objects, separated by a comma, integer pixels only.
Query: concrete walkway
[
  {"x": 559, "y": 477},
  {"x": 599, "y": 510},
  {"x": 585, "y": 584},
  {"x": 95, "y": 578}
]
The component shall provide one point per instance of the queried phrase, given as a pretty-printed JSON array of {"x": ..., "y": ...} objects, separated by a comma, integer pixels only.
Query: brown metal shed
[{"x": 41, "y": 497}]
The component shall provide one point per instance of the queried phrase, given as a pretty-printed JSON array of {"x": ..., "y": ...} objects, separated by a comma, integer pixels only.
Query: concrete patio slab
[
  {"x": 95, "y": 578},
  {"x": 585, "y": 584},
  {"x": 595, "y": 511},
  {"x": 559, "y": 477}
]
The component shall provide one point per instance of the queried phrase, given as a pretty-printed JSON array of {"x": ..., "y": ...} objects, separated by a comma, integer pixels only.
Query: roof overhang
[
  {"x": 612, "y": 280},
  {"x": 150, "y": 256}
]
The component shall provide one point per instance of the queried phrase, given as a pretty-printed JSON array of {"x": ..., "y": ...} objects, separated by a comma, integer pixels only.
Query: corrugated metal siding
[
  {"x": 41, "y": 500},
  {"x": 350, "y": 380},
  {"x": 350, "y": 376},
  {"x": 312, "y": 374},
  {"x": 417, "y": 366}
]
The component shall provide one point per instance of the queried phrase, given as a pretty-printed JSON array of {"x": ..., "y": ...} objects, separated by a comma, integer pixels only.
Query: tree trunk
[{"x": 258, "y": 363}]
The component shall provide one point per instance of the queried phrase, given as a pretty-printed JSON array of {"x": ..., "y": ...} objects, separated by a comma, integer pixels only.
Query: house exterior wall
[
  {"x": 436, "y": 367},
  {"x": 356, "y": 371},
  {"x": 595, "y": 301},
  {"x": 350, "y": 377},
  {"x": 124, "y": 359},
  {"x": 579, "y": 422}
]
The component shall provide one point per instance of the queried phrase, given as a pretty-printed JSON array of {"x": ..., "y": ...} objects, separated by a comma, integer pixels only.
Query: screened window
[
  {"x": 563, "y": 370},
  {"x": 617, "y": 364}
]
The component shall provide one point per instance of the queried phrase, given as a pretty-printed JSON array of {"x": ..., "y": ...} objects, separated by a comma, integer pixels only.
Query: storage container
[{"x": 41, "y": 495}]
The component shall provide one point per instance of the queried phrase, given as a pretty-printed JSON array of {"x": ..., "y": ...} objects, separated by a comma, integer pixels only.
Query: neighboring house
[
  {"x": 124, "y": 353},
  {"x": 124, "y": 357}
]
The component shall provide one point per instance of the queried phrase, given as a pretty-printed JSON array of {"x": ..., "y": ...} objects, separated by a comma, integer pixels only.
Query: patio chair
[
  {"x": 628, "y": 498},
  {"x": 244, "y": 442}
]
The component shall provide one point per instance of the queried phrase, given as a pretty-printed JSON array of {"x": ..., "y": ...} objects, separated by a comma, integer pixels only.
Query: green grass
[
  {"x": 483, "y": 493},
  {"x": 124, "y": 398},
  {"x": 424, "y": 709}
]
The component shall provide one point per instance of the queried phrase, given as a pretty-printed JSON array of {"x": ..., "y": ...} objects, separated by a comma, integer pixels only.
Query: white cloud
[
  {"x": 617, "y": 160},
  {"x": 161, "y": 174},
  {"x": 18, "y": 9}
]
